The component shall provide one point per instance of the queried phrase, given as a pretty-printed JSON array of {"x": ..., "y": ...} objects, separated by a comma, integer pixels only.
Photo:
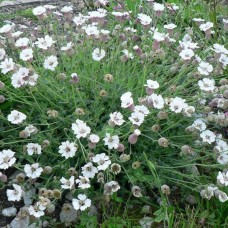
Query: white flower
[
  {"x": 66, "y": 9},
  {"x": 157, "y": 101},
  {"x": 39, "y": 10},
  {"x": 67, "y": 149},
  {"x": 208, "y": 192},
  {"x": 7, "y": 159},
  {"x": 220, "y": 49},
  {"x": 33, "y": 148},
  {"x": 186, "y": 54},
  {"x": 126, "y": 100},
  {"x": 6, "y": 28},
  {"x": 111, "y": 141},
  {"x": 102, "y": 160},
  {"x": 16, "y": 194},
  {"x": 89, "y": 171},
  {"x": 137, "y": 118},
  {"x": 208, "y": 136},
  {"x": 81, "y": 130},
  {"x": 67, "y": 47},
  {"x": 159, "y": 36},
  {"x": 91, "y": 30},
  {"x": 7, "y": 65},
  {"x": 158, "y": 6},
  {"x": 221, "y": 146},
  {"x": 177, "y": 104},
  {"x": 50, "y": 63},
  {"x": 2, "y": 53},
  {"x": 31, "y": 130},
  {"x": 83, "y": 182},
  {"x": 98, "y": 54},
  {"x": 33, "y": 171},
  {"x": 37, "y": 210},
  {"x": 152, "y": 84},
  {"x": 224, "y": 60},
  {"x": 207, "y": 84},
  {"x": 116, "y": 118},
  {"x": 67, "y": 184},
  {"x": 144, "y": 19},
  {"x": 45, "y": 43},
  {"x": 222, "y": 159},
  {"x": 81, "y": 203},
  {"x": 26, "y": 54},
  {"x": 170, "y": 26},
  {"x": 94, "y": 138},
  {"x": 206, "y": 26},
  {"x": 205, "y": 68},
  {"x": 128, "y": 54},
  {"x": 22, "y": 42},
  {"x": 79, "y": 20},
  {"x": 199, "y": 125},
  {"x": 142, "y": 109},
  {"x": 16, "y": 117},
  {"x": 222, "y": 178}
]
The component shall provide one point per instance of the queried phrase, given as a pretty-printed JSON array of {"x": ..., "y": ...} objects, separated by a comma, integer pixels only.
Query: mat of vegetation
[{"x": 116, "y": 116}]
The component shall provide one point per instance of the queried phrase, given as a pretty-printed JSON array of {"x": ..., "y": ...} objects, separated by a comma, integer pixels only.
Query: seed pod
[
  {"x": 156, "y": 128},
  {"x": 136, "y": 165}
]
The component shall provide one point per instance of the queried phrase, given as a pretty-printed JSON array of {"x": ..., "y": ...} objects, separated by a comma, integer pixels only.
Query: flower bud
[
  {"x": 74, "y": 78},
  {"x": 57, "y": 194},
  {"x": 80, "y": 111},
  {"x": 62, "y": 76},
  {"x": 132, "y": 139},
  {"x": 50, "y": 208},
  {"x": 136, "y": 191},
  {"x": 3, "y": 177},
  {"x": 47, "y": 169},
  {"x": 120, "y": 147},
  {"x": 72, "y": 172},
  {"x": 136, "y": 165},
  {"x": 24, "y": 134}
]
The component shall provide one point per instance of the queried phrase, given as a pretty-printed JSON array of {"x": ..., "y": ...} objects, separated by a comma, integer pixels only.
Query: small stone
[
  {"x": 68, "y": 214},
  {"x": 9, "y": 212},
  {"x": 20, "y": 222},
  {"x": 28, "y": 196}
]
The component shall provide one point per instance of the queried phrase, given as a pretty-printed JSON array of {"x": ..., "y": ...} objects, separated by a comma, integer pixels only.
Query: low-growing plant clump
[{"x": 113, "y": 109}]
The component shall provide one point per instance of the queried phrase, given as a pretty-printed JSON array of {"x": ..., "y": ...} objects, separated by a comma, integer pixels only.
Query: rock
[
  {"x": 9, "y": 212},
  {"x": 20, "y": 2},
  {"x": 28, "y": 196},
  {"x": 68, "y": 214},
  {"x": 20, "y": 222}
]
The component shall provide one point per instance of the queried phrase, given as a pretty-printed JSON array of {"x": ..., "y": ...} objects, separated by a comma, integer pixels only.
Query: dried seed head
[
  {"x": 62, "y": 76},
  {"x": 45, "y": 143},
  {"x": 223, "y": 81},
  {"x": 163, "y": 142},
  {"x": 103, "y": 93},
  {"x": 47, "y": 169},
  {"x": 80, "y": 111},
  {"x": 24, "y": 134},
  {"x": 108, "y": 78},
  {"x": 43, "y": 192},
  {"x": 67, "y": 207},
  {"x": 156, "y": 128},
  {"x": 136, "y": 191},
  {"x": 185, "y": 149},
  {"x": 57, "y": 194},
  {"x": 165, "y": 189},
  {"x": 115, "y": 168},
  {"x": 2, "y": 85},
  {"x": 49, "y": 194},
  {"x": 136, "y": 165},
  {"x": 2, "y": 99},
  {"x": 124, "y": 157},
  {"x": 162, "y": 115},
  {"x": 71, "y": 171},
  {"x": 20, "y": 177},
  {"x": 52, "y": 113}
]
